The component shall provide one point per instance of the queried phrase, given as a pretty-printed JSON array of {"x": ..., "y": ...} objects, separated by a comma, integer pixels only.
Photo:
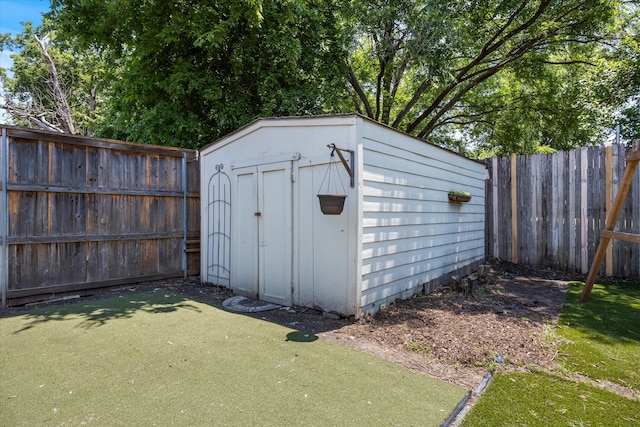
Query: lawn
[
  {"x": 157, "y": 358},
  {"x": 599, "y": 340}
]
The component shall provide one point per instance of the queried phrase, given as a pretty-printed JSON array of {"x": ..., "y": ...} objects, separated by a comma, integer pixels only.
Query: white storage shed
[{"x": 264, "y": 234}]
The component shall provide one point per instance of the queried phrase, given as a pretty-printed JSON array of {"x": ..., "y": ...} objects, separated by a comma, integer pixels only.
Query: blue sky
[{"x": 12, "y": 12}]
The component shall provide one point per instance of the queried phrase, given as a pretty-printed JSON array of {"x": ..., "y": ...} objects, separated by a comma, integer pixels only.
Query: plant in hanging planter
[{"x": 459, "y": 196}]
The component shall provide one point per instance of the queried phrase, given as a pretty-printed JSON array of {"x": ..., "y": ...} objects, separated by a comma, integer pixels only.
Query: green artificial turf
[
  {"x": 544, "y": 400},
  {"x": 157, "y": 358},
  {"x": 601, "y": 338}
]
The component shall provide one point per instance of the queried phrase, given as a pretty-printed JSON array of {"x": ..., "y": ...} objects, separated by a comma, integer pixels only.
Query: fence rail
[
  {"x": 548, "y": 210},
  {"x": 81, "y": 213}
]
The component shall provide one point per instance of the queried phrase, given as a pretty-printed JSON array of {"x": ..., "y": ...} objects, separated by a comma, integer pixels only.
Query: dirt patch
[
  {"x": 504, "y": 323},
  {"x": 448, "y": 334}
]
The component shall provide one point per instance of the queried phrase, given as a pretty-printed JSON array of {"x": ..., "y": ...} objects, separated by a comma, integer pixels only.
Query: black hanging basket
[{"x": 331, "y": 204}]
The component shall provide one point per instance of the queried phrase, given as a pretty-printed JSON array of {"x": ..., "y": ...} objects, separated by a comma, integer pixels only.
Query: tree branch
[
  {"x": 38, "y": 120},
  {"x": 429, "y": 127},
  {"x": 355, "y": 84},
  {"x": 489, "y": 47},
  {"x": 65, "y": 110}
]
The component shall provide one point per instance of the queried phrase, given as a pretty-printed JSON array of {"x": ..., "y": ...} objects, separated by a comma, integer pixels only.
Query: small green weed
[{"x": 411, "y": 344}]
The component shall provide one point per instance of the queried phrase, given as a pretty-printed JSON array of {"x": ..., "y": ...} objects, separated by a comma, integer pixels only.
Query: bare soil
[{"x": 450, "y": 334}]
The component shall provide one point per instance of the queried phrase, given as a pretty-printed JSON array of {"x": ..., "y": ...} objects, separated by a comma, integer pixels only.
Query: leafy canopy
[
  {"x": 504, "y": 75},
  {"x": 29, "y": 94},
  {"x": 481, "y": 77},
  {"x": 193, "y": 70}
]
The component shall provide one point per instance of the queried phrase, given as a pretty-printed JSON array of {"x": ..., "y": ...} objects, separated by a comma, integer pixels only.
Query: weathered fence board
[
  {"x": 561, "y": 202},
  {"x": 83, "y": 213}
]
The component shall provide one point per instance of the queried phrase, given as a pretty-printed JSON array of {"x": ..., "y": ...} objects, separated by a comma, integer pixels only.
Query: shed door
[{"x": 264, "y": 228}]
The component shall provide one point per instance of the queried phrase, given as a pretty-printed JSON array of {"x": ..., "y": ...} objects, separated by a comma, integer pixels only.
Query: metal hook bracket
[{"x": 349, "y": 167}]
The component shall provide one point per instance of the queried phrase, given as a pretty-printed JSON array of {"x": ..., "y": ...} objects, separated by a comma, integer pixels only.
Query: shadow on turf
[
  {"x": 611, "y": 315},
  {"x": 300, "y": 336},
  {"x": 98, "y": 312}
]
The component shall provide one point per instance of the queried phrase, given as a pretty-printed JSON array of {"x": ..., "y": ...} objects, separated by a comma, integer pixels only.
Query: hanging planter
[
  {"x": 332, "y": 203},
  {"x": 459, "y": 196}
]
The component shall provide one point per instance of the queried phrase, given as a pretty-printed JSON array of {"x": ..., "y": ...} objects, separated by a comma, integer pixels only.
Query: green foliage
[
  {"x": 501, "y": 77},
  {"x": 417, "y": 345},
  {"x": 481, "y": 78},
  {"x": 28, "y": 87},
  {"x": 193, "y": 71},
  {"x": 626, "y": 76},
  {"x": 459, "y": 192},
  {"x": 602, "y": 336}
]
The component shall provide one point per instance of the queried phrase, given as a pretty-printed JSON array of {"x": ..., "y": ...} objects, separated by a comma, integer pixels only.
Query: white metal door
[{"x": 264, "y": 232}]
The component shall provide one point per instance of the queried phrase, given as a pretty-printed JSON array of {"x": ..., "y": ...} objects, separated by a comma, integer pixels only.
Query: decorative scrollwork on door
[{"x": 219, "y": 228}]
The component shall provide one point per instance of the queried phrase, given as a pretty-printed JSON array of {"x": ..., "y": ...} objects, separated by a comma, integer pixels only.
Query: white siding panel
[
  {"x": 377, "y": 235},
  {"x": 379, "y": 138},
  {"x": 395, "y": 280},
  {"x": 408, "y": 205},
  {"x": 398, "y": 188},
  {"x": 400, "y": 246},
  {"x": 414, "y": 260},
  {"x": 415, "y": 172},
  {"x": 392, "y": 219},
  {"x": 411, "y": 232}
]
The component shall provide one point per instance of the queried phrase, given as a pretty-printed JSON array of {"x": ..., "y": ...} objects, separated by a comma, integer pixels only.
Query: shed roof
[{"x": 257, "y": 121}]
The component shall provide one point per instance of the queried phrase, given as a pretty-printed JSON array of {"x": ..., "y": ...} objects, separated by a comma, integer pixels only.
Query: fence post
[
  {"x": 514, "y": 210},
  {"x": 572, "y": 211},
  {"x": 608, "y": 167},
  {"x": 4, "y": 216},
  {"x": 185, "y": 228},
  {"x": 584, "y": 249},
  {"x": 494, "y": 208}
]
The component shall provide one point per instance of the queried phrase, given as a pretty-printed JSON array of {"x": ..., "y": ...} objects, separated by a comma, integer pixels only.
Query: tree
[
  {"x": 51, "y": 86},
  {"x": 625, "y": 81},
  {"x": 534, "y": 109},
  {"x": 193, "y": 70},
  {"x": 493, "y": 76},
  {"x": 431, "y": 68}
]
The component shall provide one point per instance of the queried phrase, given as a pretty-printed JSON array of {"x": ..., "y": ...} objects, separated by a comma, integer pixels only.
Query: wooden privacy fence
[
  {"x": 79, "y": 213},
  {"x": 548, "y": 210}
]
